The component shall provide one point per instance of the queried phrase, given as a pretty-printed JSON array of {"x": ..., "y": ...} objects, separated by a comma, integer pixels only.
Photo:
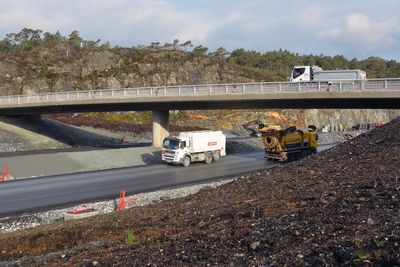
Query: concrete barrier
[{"x": 76, "y": 216}]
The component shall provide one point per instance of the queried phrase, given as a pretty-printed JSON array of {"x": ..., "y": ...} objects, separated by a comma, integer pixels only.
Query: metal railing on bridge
[{"x": 206, "y": 89}]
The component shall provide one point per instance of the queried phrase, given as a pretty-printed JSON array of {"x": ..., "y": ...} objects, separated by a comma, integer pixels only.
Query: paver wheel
[
  {"x": 209, "y": 158},
  {"x": 186, "y": 161},
  {"x": 216, "y": 155}
]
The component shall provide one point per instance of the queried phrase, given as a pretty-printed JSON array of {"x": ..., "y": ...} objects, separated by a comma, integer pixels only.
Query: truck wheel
[
  {"x": 209, "y": 158},
  {"x": 216, "y": 156},
  {"x": 186, "y": 161}
]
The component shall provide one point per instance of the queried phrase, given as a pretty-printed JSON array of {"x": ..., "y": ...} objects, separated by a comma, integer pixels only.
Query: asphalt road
[{"x": 29, "y": 195}]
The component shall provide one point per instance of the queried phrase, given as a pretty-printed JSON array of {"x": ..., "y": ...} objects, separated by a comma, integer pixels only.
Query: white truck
[
  {"x": 193, "y": 146},
  {"x": 315, "y": 73}
]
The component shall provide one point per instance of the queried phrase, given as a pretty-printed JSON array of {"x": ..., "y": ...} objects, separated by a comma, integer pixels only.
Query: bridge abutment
[
  {"x": 160, "y": 126},
  {"x": 32, "y": 119}
]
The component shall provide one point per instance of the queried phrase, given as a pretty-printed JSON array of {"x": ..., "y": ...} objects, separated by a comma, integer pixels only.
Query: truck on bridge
[
  {"x": 193, "y": 146},
  {"x": 315, "y": 73}
]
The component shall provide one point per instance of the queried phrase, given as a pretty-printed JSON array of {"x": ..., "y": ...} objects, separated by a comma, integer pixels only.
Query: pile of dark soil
[
  {"x": 339, "y": 207},
  {"x": 99, "y": 122}
]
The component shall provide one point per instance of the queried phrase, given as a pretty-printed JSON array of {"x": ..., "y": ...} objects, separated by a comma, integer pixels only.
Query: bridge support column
[{"x": 160, "y": 126}]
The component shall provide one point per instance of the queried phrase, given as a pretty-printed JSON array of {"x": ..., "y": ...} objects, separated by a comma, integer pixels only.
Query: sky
[{"x": 356, "y": 29}]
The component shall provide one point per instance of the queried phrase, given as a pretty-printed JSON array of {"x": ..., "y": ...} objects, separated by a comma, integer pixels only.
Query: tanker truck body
[
  {"x": 316, "y": 74},
  {"x": 193, "y": 146},
  {"x": 290, "y": 144}
]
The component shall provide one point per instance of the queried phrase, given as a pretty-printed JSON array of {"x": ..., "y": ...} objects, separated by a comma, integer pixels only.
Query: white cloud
[
  {"x": 304, "y": 26},
  {"x": 161, "y": 20},
  {"x": 311, "y": 17},
  {"x": 364, "y": 32},
  {"x": 19, "y": 14},
  {"x": 117, "y": 21}
]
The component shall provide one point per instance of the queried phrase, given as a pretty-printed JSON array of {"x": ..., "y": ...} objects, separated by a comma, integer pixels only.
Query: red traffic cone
[{"x": 122, "y": 201}]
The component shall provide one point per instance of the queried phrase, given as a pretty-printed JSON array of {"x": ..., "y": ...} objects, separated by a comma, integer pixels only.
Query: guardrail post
[
  {"x": 319, "y": 86},
  {"x": 385, "y": 85},
  {"x": 151, "y": 91},
  {"x": 261, "y": 88},
  {"x": 18, "y": 99},
  {"x": 210, "y": 90},
  {"x": 9, "y": 100},
  {"x": 165, "y": 91},
  {"x": 78, "y": 96},
  {"x": 101, "y": 94},
  {"x": 179, "y": 90},
  {"x": 67, "y": 96},
  {"x": 340, "y": 86},
  {"x": 298, "y": 85},
  {"x": 280, "y": 87},
  {"x": 37, "y": 97},
  {"x": 194, "y": 89},
  {"x": 244, "y": 88},
  {"x": 56, "y": 97},
  {"x": 226, "y": 88}
]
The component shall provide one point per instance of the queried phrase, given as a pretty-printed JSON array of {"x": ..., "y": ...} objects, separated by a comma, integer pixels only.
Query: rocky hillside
[
  {"x": 60, "y": 69},
  {"x": 32, "y": 62}
]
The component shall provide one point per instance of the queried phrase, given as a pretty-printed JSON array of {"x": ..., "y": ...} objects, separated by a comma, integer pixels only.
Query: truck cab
[
  {"x": 304, "y": 73},
  {"x": 174, "y": 149}
]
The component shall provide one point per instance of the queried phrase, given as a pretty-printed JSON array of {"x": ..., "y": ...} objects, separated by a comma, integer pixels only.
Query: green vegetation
[
  {"x": 130, "y": 237},
  {"x": 360, "y": 256},
  {"x": 125, "y": 117},
  {"x": 266, "y": 66},
  {"x": 277, "y": 65}
]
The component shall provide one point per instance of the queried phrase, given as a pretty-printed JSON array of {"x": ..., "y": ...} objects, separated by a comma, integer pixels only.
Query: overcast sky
[{"x": 356, "y": 29}]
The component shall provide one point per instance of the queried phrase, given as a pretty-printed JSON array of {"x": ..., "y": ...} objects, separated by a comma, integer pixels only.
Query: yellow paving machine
[{"x": 289, "y": 144}]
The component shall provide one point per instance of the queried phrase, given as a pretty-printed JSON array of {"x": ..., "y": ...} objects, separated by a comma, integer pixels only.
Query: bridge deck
[{"x": 379, "y": 93}]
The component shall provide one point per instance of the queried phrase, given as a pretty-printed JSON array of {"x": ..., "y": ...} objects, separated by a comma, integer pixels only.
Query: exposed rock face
[
  {"x": 333, "y": 120},
  {"x": 89, "y": 69},
  {"x": 345, "y": 119},
  {"x": 63, "y": 69}
]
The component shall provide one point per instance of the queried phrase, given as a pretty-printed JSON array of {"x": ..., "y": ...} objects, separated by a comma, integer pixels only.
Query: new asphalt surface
[{"x": 41, "y": 193}]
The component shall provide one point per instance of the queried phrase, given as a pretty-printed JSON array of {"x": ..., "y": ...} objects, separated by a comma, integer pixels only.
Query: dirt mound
[
  {"x": 97, "y": 121},
  {"x": 339, "y": 207}
]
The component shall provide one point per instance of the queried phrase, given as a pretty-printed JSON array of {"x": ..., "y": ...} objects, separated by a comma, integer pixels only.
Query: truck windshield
[
  {"x": 171, "y": 143},
  {"x": 297, "y": 72}
]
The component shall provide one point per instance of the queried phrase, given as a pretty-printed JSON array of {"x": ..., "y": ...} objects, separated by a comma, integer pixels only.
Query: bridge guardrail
[{"x": 206, "y": 89}]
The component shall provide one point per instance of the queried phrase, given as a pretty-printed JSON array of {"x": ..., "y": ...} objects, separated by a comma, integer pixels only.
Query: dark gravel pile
[
  {"x": 339, "y": 207},
  {"x": 99, "y": 122}
]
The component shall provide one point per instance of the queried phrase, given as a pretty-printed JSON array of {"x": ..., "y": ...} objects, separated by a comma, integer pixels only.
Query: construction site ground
[
  {"x": 338, "y": 207},
  {"x": 35, "y": 151}
]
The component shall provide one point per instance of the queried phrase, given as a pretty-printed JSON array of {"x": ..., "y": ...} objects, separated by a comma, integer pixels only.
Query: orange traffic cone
[
  {"x": 122, "y": 201},
  {"x": 5, "y": 174}
]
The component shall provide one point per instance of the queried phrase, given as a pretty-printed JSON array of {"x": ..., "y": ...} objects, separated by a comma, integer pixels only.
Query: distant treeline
[
  {"x": 260, "y": 66},
  {"x": 278, "y": 64}
]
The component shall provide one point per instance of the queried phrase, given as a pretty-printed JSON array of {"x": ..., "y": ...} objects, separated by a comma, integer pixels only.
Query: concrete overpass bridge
[{"x": 378, "y": 93}]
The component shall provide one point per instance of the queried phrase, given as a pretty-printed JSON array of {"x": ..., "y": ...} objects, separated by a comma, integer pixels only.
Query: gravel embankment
[
  {"x": 29, "y": 220},
  {"x": 15, "y": 138},
  {"x": 338, "y": 207}
]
